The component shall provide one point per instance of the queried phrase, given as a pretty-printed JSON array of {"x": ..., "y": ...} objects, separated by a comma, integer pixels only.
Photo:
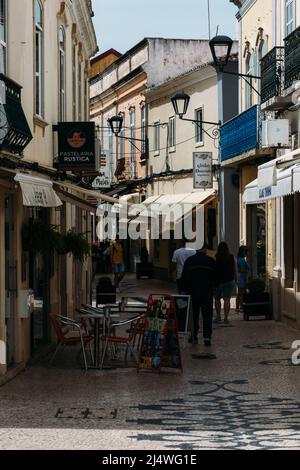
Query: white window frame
[
  {"x": 132, "y": 145},
  {"x": 289, "y": 25},
  {"x": 62, "y": 74},
  {"x": 79, "y": 89},
  {"x": 74, "y": 67},
  {"x": 39, "y": 65},
  {"x": 172, "y": 134},
  {"x": 198, "y": 130},
  {"x": 122, "y": 140},
  {"x": 3, "y": 41},
  {"x": 156, "y": 138},
  {"x": 143, "y": 128},
  {"x": 248, "y": 89}
]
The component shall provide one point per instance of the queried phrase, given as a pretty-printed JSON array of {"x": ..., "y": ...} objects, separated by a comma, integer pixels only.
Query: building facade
[
  {"x": 269, "y": 188},
  {"x": 173, "y": 143},
  {"x": 243, "y": 146},
  {"x": 44, "y": 64}
]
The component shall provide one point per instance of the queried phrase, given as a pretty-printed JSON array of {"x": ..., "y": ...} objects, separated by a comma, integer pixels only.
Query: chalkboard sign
[
  {"x": 160, "y": 345},
  {"x": 183, "y": 312}
]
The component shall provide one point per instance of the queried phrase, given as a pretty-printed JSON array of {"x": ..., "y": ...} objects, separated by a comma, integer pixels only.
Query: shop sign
[
  {"x": 76, "y": 146},
  {"x": 203, "y": 178},
  {"x": 104, "y": 178}
]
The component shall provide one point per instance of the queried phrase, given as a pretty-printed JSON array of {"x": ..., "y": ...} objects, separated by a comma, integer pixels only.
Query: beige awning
[
  {"x": 37, "y": 192},
  {"x": 86, "y": 192}
]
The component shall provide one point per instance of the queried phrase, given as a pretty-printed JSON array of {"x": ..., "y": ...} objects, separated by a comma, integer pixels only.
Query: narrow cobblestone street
[{"x": 247, "y": 397}]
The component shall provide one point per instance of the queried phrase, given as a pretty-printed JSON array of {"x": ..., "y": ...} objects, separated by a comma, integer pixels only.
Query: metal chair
[
  {"x": 64, "y": 338},
  {"x": 136, "y": 328}
]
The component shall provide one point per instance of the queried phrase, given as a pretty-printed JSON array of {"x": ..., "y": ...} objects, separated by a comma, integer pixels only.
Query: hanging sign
[
  {"x": 203, "y": 170},
  {"x": 104, "y": 178},
  {"x": 76, "y": 145}
]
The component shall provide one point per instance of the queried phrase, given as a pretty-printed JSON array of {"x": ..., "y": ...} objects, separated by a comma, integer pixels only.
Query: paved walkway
[{"x": 246, "y": 398}]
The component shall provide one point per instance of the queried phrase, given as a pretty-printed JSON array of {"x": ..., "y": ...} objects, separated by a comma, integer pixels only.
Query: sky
[{"x": 120, "y": 24}]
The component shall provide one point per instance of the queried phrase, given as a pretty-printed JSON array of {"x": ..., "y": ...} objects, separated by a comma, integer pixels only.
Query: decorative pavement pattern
[{"x": 222, "y": 415}]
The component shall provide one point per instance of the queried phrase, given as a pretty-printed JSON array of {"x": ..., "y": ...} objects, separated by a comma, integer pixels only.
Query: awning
[
  {"x": 86, "y": 192},
  {"x": 188, "y": 203},
  {"x": 37, "y": 192},
  {"x": 175, "y": 206},
  {"x": 76, "y": 201},
  {"x": 285, "y": 184}
]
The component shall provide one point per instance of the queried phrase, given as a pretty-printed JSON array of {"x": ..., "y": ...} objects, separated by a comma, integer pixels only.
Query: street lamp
[
  {"x": 180, "y": 104},
  {"x": 220, "y": 47},
  {"x": 116, "y": 124}
]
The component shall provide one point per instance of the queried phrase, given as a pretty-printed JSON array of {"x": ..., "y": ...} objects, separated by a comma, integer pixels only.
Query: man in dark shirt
[{"x": 198, "y": 280}]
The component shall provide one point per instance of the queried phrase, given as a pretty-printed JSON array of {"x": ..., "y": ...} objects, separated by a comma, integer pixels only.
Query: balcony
[
  {"x": 241, "y": 135},
  {"x": 15, "y": 132},
  {"x": 292, "y": 58},
  {"x": 272, "y": 81}
]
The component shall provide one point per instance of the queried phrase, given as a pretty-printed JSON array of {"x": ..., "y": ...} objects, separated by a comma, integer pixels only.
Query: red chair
[
  {"x": 68, "y": 337},
  {"x": 137, "y": 326}
]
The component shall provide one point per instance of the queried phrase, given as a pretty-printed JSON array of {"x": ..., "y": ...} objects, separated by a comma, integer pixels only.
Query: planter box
[{"x": 257, "y": 305}]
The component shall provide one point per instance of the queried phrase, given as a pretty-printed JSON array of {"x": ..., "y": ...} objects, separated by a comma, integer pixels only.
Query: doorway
[
  {"x": 10, "y": 281},
  {"x": 256, "y": 239}
]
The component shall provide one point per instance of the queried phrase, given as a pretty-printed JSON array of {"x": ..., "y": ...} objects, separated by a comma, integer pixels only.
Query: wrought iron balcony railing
[
  {"x": 272, "y": 74},
  {"x": 15, "y": 133},
  {"x": 241, "y": 134},
  {"x": 292, "y": 58}
]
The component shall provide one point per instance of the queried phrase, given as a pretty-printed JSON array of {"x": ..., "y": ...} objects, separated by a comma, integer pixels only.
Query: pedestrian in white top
[{"x": 179, "y": 258}]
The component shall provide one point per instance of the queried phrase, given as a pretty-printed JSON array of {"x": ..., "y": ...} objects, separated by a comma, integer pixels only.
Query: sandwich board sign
[{"x": 160, "y": 345}]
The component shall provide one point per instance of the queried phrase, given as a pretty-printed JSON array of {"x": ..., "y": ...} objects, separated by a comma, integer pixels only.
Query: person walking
[
  {"x": 179, "y": 258},
  {"x": 117, "y": 260},
  {"x": 198, "y": 280},
  {"x": 225, "y": 280},
  {"x": 243, "y": 270}
]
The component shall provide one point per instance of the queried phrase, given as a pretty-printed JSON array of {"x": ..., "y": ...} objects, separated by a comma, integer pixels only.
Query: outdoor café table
[{"x": 97, "y": 315}]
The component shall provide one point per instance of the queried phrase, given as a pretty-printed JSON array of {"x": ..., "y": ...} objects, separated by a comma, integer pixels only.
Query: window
[
  {"x": 132, "y": 149},
  {"x": 249, "y": 80},
  {"x": 172, "y": 137},
  {"x": 122, "y": 140},
  {"x": 198, "y": 128},
  {"x": 62, "y": 75},
  {"x": 74, "y": 81},
  {"x": 86, "y": 97},
  {"x": 79, "y": 91},
  {"x": 143, "y": 129},
  {"x": 289, "y": 16},
  {"x": 39, "y": 59},
  {"x": 156, "y": 138}
]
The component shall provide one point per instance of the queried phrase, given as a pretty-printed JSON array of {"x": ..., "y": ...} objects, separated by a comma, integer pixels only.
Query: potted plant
[{"x": 256, "y": 300}]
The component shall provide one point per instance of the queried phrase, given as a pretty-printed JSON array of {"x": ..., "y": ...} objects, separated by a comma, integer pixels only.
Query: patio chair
[
  {"x": 66, "y": 337},
  {"x": 136, "y": 328}
]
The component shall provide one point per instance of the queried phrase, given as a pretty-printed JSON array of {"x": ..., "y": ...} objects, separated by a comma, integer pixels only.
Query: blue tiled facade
[{"x": 241, "y": 134}]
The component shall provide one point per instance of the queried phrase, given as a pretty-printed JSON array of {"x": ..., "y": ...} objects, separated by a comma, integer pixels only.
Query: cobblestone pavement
[{"x": 247, "y": 397}]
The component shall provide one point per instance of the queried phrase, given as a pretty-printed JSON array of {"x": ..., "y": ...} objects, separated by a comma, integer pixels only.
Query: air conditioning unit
[{"x": 276, "y": 133}]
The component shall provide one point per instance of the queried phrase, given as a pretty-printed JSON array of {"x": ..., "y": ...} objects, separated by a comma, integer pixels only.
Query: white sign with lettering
[
  {"x": 104, "y": 178},
  {"x": 203, "y": 170}
]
